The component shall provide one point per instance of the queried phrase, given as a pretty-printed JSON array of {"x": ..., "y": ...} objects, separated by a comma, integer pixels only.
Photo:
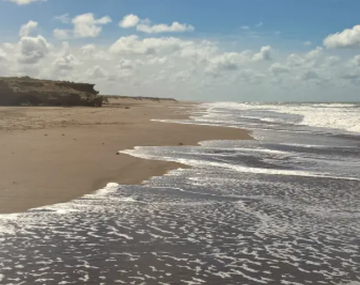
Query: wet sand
[{"x": 52, "y": 155}]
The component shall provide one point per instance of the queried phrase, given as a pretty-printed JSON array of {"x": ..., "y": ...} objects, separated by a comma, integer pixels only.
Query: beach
[
  {"x": 53, "y": 155},
  {"x": 281, "y": 208}
]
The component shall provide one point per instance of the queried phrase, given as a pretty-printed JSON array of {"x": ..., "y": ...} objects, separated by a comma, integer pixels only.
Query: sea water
[{"x": 281, "y": 209}]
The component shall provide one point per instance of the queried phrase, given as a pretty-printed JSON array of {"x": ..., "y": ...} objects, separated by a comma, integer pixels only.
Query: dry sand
[{"x": 52, "y": 155}]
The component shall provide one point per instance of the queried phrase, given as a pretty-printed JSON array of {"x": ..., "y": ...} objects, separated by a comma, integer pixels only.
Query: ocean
[{"x": 281, "y": 209}]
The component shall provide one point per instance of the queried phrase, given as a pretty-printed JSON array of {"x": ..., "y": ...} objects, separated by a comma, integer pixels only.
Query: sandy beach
[{"x": 52, "y": 155}]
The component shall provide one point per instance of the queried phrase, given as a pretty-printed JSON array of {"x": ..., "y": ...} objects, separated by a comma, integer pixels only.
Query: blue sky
[
  {"x": 231, "y": 29},
  {"x": 303, "y": 20}
]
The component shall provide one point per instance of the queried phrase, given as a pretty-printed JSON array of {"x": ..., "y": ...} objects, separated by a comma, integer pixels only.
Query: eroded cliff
[{"x": 16, "y": 91}]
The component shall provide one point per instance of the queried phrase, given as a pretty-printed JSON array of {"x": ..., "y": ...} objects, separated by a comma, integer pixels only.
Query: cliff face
[{"x": 27, "y": 91}]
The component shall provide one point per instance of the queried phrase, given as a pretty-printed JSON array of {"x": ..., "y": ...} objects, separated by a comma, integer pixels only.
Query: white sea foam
[
  {"x": 333, "y": 116},
  {"x": 243, "y": 149},
  {"x": 142, "y": 153},
  {"x": 108, "y": 189},
  {"x": 7, "y": 220},
  {"x": 265, "y": 171},
  {"x": 345, "y": 117}
]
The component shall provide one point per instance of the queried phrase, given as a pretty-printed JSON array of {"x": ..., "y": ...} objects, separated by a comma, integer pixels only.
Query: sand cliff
[{"x": 26, "y": 91}]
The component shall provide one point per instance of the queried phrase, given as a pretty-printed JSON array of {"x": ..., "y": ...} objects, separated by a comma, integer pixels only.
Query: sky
[{"x": 204, "y": 50}]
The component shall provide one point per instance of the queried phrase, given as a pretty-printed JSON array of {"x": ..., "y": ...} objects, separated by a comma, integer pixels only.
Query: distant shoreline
[{"x": 52, "y": 155}]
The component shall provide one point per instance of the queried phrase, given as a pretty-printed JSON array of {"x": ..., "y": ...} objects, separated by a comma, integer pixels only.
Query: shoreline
[{"x": 72, "y": 151}]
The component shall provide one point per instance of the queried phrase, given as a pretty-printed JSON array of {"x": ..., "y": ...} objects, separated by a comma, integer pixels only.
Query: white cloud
[
  {"x": 309, "y": 75},
  {"x": 310, "y": 59},
  {"x": 129, "y": 21},
  {"x": 65, "y": 48},
  {"x": 199, "y": 52},
  {"x": 295, "y": 60},
  {"x": 277, "y": 69},
  {"x": 96, "y": 72},
  {"x": 356, "y": 60},
  {"x": 183, "y": 76},
  {"x": 351, "y": 75},
  {"x": 308, "y": 43},
  {"x": 145, "y": 26},
  {"x": 221, "y": 63},
  {"x": 264, "y": 54},
  {"x": 228, "y": 61},
  {"x": 251, "y": 76},
  {"x": 86, "y": 26},
  {"x": 28, "y": 28},
  {"x": 198, "y": 69},
  {"x": 33, "y": 49},
  {"x": 260, "y": 24},
  {"x": 2, "y": 55},
  {"x": 88, "y": 49},
  {"x": 132, "y": 45},
  {"x": 65, "y": 18},
  {"x": 332, "y": 60},
  {"x": 175, "y": 27},
  {"x": 93, "y": 52},
  {"x": 61, "y": 34},
  {"x": 25, "y": 2},
  {"x": 126, "y": 68},
  {"x": 67, "y": 62},
  {"x": 315, "y": 53},
  {"x": 349, "y": 38},
  {"x": 125, "y": 64},
  {"x": 9, "y": 46},
  {"x": 245, "y": 27},
  {"x": 158, "y": 60}
]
